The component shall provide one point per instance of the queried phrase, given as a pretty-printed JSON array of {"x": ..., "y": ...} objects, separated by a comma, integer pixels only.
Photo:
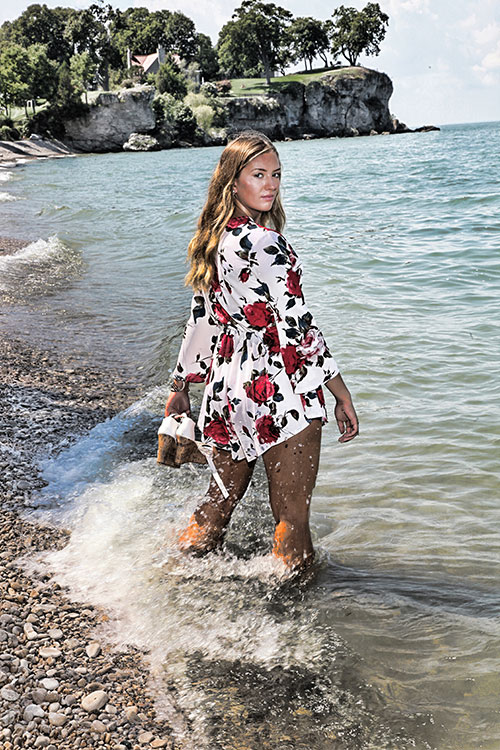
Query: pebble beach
[{"x": 61, "y": 684}]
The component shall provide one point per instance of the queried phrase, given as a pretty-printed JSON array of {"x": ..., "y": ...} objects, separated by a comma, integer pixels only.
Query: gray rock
[
  {"x": 94, "y": 701},
  {"x": 9, "y": 718},
  {"x": 8, "y": 694},
  {"x": 38, "y": 695},
  {"x": 42, "y": 741},
  {"x": 57, "y": 719},
  {"x": 30, "y": 632},
  {"x": 140, "y": 142},
  {"x": 32, "y": 710},
  {"x": 130, "y": 713},
  {"x": 93, "y": 649},
  {"x": 49, "y": 683},
  {"x": 145, "y": 738},
  {"x": 50, "y": 652},
  {"x": 56, "y": 634},
  {"x": 98, "y": 726},
  {"x": 111, "y": 120}
]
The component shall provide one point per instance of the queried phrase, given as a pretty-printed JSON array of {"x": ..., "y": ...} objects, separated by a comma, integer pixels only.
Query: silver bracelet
[{"x": 175, "y": 387}]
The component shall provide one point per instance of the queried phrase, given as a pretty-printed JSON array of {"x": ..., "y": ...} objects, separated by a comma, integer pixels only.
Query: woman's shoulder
[{"x": 243, "y": 226}]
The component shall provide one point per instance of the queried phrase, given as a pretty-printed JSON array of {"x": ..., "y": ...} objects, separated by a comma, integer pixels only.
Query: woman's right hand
[{"x": 178, "y": 403}]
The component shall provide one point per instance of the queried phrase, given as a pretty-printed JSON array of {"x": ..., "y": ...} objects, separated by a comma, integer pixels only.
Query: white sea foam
[
  {"x": 7, "y": 197},
  {"x": 39, "y": 265},
  {"x": 5, "y": 175}
]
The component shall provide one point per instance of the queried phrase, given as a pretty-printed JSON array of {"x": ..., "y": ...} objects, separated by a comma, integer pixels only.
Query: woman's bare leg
[
  {"x": 291, "y": 468},
  {"x": 207, "y": 524}
]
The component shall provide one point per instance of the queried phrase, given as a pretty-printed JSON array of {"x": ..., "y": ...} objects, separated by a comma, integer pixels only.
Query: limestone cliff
[
  {"x": 350, "y": 102},
  {"x": 112, "y": 119}
]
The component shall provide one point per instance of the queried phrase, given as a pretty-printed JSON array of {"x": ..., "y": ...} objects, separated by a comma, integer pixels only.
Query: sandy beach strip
[
  {"x": 60, "y": 686},
  {"x": 13, "y": 153}
]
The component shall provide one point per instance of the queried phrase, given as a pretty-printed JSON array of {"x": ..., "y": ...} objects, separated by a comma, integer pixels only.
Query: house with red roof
[{"x": 148, "y": 63}]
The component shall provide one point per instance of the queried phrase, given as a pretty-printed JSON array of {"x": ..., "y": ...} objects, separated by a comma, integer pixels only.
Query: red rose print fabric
[{"x": 253, "y": 342}]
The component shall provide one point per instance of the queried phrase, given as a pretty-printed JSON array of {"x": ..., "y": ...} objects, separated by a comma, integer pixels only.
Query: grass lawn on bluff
[{"x": 256, "y": 86}]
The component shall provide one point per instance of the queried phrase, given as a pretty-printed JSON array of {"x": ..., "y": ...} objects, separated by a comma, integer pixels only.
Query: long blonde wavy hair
[{"x": 220, "y": 206}]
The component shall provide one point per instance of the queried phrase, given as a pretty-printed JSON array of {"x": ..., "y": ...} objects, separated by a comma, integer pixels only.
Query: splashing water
[
  {"x": 39, "y": 268},
  {"x": 252, "y": 659}
]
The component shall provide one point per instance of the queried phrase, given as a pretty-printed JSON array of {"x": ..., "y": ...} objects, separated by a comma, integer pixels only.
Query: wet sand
[{"x": 61, "y": 684}]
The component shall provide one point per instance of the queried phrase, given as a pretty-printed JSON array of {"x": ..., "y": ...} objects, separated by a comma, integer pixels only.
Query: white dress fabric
[{"x": 254, "y": 343}]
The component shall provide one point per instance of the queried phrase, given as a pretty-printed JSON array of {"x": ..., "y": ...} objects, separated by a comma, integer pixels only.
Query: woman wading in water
[{"x": 253, "y": 342}]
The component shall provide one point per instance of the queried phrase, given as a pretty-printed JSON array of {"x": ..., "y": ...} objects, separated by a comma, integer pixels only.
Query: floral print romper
[{"x": 253, "y": 342}]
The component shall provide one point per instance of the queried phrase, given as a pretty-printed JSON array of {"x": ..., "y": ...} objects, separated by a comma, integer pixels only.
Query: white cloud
[
  {"x": 487, "y": 35},
  {"x": 492, "y": 59}
]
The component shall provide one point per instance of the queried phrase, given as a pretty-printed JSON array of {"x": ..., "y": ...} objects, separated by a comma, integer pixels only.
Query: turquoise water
[{"x": 395, "y": 643}]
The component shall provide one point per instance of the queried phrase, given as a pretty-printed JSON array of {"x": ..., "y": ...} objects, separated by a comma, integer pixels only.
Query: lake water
[{"x": 394, "y": 642}]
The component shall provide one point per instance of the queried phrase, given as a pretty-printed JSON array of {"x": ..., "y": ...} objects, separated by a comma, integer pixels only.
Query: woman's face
[{"x": 257, "y": 184}]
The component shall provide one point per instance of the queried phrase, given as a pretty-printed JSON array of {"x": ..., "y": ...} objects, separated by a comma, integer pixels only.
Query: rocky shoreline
[{"x": 61, "y": 685}]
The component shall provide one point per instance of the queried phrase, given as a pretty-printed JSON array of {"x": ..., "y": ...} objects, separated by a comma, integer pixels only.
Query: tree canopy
[
  {"x": 309, "y": 39},
  {"x": 358, "y": 31},
  {"x": 15, "y": 73},
  {"x": 143, "y": 31},
  {"x": 39, "y": 24},
  {"x": 206, "y": 57},
  {"x": 254, "y": 41},
  {"x": 51, "y": 53}
]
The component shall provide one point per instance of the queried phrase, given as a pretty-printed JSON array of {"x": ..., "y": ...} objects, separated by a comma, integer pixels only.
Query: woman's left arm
[{"x": 345, "y": 413}]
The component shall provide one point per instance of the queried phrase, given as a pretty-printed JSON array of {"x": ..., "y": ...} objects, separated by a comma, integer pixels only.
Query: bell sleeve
[
  {"x": 198, "y": 343},
  {"x": 278, "y": 271}
]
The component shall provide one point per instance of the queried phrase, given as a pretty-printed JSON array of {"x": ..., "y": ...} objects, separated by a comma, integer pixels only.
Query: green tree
[
  {"x": 43, "y": 74},
  {"x": 15, "y": 72},
  {"x": 355, "y": 32},
  {"x": 82, "y": 70},
  {"x": 170, "y": 81},
  {"x": 180, "y": 36},
  {"x": 143, "y": 31},
  {"x": 309, "y": 39},
  {"x": 39, "y": 24},
  {"x": 138, "y": 30},
  {"x": 255, "y": 39},
  {"x": 66, "y": 94},
  {"x": 206, "y": 57}
]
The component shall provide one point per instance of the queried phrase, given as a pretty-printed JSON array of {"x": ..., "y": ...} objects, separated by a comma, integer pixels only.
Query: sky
[{"x": 443, "y": 56}]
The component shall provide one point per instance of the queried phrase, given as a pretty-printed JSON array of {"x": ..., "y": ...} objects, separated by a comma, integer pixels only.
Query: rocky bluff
[
  {"x": 111, "y": 119},
  {"x": 354, "y": 101}
]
